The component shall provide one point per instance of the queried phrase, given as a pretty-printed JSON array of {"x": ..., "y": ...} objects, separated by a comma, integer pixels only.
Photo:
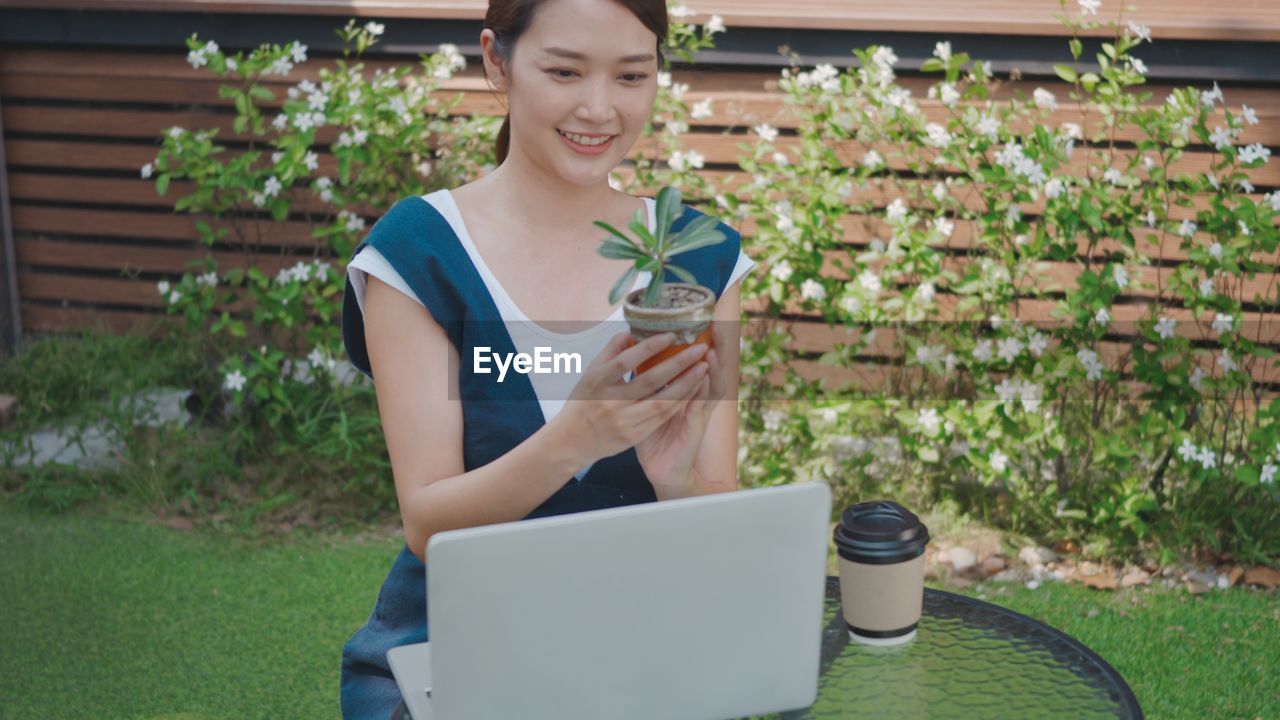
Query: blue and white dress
[{"x": 421, "y": 247}]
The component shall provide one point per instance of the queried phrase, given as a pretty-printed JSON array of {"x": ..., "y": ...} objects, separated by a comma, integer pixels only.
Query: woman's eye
[
  {"x": 634, "y": 77},
  {"x": 561, "y": 73}
]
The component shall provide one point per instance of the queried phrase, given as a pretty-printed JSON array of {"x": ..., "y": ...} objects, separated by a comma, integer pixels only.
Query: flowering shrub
[
  {"x": 986, "y": 277},
  {"x": 394, "y": 138}
]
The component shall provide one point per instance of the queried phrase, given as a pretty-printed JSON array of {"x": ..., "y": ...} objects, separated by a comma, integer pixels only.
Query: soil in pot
[{"x": 683, "y": 309}]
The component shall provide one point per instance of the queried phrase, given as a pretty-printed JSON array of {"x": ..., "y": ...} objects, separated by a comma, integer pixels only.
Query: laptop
[{"x": 703, "y": 608}]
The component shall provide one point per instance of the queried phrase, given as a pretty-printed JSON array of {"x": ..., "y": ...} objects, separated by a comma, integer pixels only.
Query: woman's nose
[{"x": 595, "y": 103}]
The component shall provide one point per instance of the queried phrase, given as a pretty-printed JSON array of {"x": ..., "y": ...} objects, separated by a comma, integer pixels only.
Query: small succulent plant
[{"x": 652, "y": 251}]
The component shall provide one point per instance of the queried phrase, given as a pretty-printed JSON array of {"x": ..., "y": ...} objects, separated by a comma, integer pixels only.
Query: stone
[
  {"x": 962, "y": 558},
  {"x": 1032, "y": 555},
  {"x": 1235, "y": 575},
  {"x": 1135, "y": 577},
  {"x": 1010, "y": 575},
  {"x": 1264, "y": 576},
  {"x": 1196, "y": 588},
  {"x": 993, "y": 565},
  {"x": 1100, "y": 581}
]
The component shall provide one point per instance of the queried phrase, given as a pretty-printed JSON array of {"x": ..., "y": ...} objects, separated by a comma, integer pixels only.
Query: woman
[{"x": 487, "y": 265}]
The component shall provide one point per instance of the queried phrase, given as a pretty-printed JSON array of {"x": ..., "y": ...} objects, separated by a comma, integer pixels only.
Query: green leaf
[
  {"x": 162, "y": 184},
  {"x": 684, "y": 275},
  {"x": 653, "y": 292},
  {"x": 1077, "y": 48},
  {"x": 615, "y": 249},
  {"x": 668, "y": 205},
  {"x": 928, "y": 454},
  {"x": 1247, "y": 474},
  {"x": 622, "y": 286},
  {"x": 1066, "y": 72},
  {"x": 261, "y": 93}
]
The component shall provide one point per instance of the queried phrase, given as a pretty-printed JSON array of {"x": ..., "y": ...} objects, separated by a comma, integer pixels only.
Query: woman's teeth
[{"x": 584, "y": 140}]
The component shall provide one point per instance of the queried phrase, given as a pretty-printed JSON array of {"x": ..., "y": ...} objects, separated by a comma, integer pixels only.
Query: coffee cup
[{"x": 881, "y": 549}]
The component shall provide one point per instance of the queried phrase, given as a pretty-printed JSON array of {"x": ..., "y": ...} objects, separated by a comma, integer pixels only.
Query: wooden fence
[{"x": 92, "y": 238}]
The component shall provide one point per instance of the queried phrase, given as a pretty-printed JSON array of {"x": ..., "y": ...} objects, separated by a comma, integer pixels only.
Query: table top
[{"x": 970, "y": 659}]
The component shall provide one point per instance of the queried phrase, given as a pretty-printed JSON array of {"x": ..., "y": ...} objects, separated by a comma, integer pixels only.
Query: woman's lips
[{"x": 587, "y": 149}]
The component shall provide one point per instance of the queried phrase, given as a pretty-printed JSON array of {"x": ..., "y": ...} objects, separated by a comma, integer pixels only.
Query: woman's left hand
[{"x": 668, "y": 453}]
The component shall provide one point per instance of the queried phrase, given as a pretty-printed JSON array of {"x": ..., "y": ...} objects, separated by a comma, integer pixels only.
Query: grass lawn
[{"x": 107, "y": 618}]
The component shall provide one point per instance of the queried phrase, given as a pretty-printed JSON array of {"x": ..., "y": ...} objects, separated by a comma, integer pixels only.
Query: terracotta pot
[{"x": 689, "y": 317}]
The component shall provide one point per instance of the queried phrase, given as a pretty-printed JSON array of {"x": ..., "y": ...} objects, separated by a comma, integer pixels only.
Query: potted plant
[{"x": 683, "y": 308}]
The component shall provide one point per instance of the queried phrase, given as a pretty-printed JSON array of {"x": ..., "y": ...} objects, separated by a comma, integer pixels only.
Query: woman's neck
[{"x": 546, "y": 203}]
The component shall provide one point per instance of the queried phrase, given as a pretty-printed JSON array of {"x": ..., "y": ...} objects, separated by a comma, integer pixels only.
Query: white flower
[
  {"x": 925, "y": 292},
  {"x": 374, "y": 28},
  {"x": 1141, "y": 31},
  {"x": 232, "y": 65},
  {"x": 1213, "y": 180},
  {"x": 1253, "y": 153},
  {"x": 1225, "y": 362},
  {"x": 259, "y": 200},
  {"x": 1268, "y": 474},
  {"x": 352, "y": 222},
  {"x": 1038, "y": 343},
  {"x": 938, "y": 135},
  {"x": 988, "y": 126},
  {"x": 701, "y": 109},
  {"x": 311, "y": 160},
  {"x": 1274, "y": 199},
  {"x": 197, "y": 58},
  {"x": 850, "y": 304},
  {"x": 1138, "y": 66},
  {"x": 897, "y": 211},
  {"x": 163, "y": 287},
  {"x": 1045, "y": 99},
  {"x": 714, "y": 25},
  {"x": 1054, "y": 189},
  {"x": 298, "y": 52},
  {"x": 1092, "y": 367},
  {"x": 939, "y": 192},
  {"x": 664, "y": 79},
  {"x": 1008, "y": 391},
  {"x": 812, "y": 290},
  {"x": 273, "y": 187},
  {"x": 1188, "y": 450},
  {"x": 766, "y": 132},
  {"x": 1215, "y": 250},
  {"x": 1208, "y": 460},
  {"x": 942, "y": 51},
  {"x": 773, "y": 419},
  {"x": 1222, "y": 323},
  {"x": 234, "y": 381},
  {"x": 872, "y": 159},
  {"x": 1102, "y": 317},
  {"x": 778, "y": 158},
  {"x": 929, "y": 421},
  {"x": 1113, "y": 176},
  {"x": 948, "y": 94},
  {"x": 281, "y": 66},
  {"x": 1221, "y": 137},
  {"x": 146, "y": 171},
  {"x": 1206, "y": 287},
  {"x": 1030, "y": 394},
  {"x": 1207, "y": 97},
  {"x": 1250, "y": 116},
  {"x": 1009, "y": 348},
  {"x": 869, "y": 282},
  {"x": 781, "y": 271},
  {"x": 1089, "y": 7},
  {"x": 679, "y": 11},
  {"x": 944, "y": 227},
  {"x": 176, "y": 132},
  {"x": 281, "y": 122},
  {"x": 1246, "y": 186},
  {"x": 1197, "y": 378},
  {"x": 424, "y": 169},
  {"x": 982, "y": 351},
  {"x": 998, "y": 461},
  {"x": 1187, "y": 229},
  {"x": 1166, "y": 327},
  {"x": 1121, "y": 277}
]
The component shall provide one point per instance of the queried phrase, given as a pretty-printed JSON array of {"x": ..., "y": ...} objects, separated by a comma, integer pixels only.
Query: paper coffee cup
[{"x": 881, "y": 548}]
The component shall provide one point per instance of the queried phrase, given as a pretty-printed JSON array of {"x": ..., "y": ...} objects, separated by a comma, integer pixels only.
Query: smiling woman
[{"x": 472, "y": 272}]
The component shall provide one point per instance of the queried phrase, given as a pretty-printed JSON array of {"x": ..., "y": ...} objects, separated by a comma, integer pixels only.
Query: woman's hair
[{"x": 508, "y": 19}]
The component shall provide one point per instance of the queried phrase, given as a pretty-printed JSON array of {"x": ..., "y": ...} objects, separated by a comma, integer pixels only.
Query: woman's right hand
[{"x": 608, "y": 415}]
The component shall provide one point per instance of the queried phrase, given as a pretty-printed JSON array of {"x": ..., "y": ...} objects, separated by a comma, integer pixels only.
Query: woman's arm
[
  {"x": 410, "y": 357},
  {"x": 421, "y": 416},
  {"x": 716, "y": 466}
]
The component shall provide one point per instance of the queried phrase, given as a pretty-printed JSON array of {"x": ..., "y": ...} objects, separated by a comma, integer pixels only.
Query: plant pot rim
[{"x": 709, "y": 298}]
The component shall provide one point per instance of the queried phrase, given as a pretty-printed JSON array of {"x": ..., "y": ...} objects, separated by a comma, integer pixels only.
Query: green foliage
[{"x": 651, "y": 252}]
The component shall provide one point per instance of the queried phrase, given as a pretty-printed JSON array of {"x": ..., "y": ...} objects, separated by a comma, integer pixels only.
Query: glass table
[{"x": 970, "y": 659}]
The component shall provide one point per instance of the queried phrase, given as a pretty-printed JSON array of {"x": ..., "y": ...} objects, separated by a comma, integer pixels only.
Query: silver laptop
[{"x": 703, "y": 608}]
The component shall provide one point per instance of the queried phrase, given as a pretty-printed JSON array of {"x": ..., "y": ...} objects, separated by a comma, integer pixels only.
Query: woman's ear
[{"x": 495, "y": 70}]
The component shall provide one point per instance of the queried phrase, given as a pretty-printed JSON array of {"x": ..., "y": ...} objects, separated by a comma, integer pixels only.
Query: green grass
[{"x": 109, "y": 618}]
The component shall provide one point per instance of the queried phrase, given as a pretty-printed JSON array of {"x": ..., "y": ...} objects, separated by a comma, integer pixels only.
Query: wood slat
[
  {"x": 1256, "y": 20},
  {"x": 140, "y": 225},
  {"x": 133, "y": 258},
  {"x": 43, "y": 318},
  {"x": 102, "y": 156}
]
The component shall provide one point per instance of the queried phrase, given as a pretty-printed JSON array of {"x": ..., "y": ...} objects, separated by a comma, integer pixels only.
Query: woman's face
[{"x": 585, "y": 71}]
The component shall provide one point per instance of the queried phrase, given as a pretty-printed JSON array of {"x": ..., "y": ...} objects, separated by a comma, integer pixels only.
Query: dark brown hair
[{"x": 508, "y": 19}]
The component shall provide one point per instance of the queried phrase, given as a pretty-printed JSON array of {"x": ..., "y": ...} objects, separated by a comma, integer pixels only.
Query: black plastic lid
[{"x": 881, "y": 532}]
